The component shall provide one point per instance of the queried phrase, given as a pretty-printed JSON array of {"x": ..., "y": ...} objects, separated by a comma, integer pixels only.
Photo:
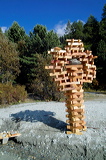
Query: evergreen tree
[
  {"x": 42, "y": 40},
  {"x": 103, "y": 24},
  {"x": 37, "y": 79},
  {"x": 91, "y": 34},
  {"x": 33, "y": 61},
  {"x": 51, "y": 40},
  {"x": 0, "y": 30},
  {"x": 73, "y": 31},
  {"x": 9, "y": 60},
  {"x": 68, "y": 28},
  {"x": 77, "y": 30},
  {"x": 101, "y": 52},
  {"x": 37, "y": 39},
  {"x": 104, "y": 13},
  {"x": 15, "y": 33},
  {"x": 101, "y": 64}
]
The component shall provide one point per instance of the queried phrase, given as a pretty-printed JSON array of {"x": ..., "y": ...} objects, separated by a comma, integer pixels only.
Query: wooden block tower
[{"x": 70, "y": 69}]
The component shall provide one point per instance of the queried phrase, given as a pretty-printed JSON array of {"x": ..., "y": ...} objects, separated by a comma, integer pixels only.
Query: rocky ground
[{"x": 42, "y": 127}]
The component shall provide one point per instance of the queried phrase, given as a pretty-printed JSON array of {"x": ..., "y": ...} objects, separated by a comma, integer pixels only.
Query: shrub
[{"x": 10, "y": 94}]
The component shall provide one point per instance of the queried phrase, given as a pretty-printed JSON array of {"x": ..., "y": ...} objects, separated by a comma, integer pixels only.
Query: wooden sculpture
[{"x": 71, "y": 68}]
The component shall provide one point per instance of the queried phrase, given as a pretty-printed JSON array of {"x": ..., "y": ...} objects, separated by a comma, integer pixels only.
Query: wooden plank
[
  {"x": 75, "y": 82},
  {"x": 71, "y": 107},
  {"x": 75, "y": 101},
  {"x": 89, "y": 65},
  {"x": 75, "y": 72},
  {"x": 87, "y": 81},
  {"x": 80, "y": 71},
  {"x": 66, "y": 89},
  {"x": 73, "y": 118},
  {"x": 74, "y": 67},
  {"x": 57, "y": 70},
  {"x": 89, "y": 71},
  {"x": 74, "y": 48},
  {"x": 69, "y": 93},
  {"x": 77, "y": 114},
  {"x": 65, "y": 56},
  {"x": 73, "y": 40},
  {"x": 75, "y": 110},
  {"x": 88, "y": 52},
  {"x": 75, "y": 78},
  {"x": 79, "y": 54},
  {"x": 78, "y": 127},
  {"x": 78, "y": 87},
  {"x": 80, "y": 121},
  {"x": 72, "y": 113},
  {"x": 61, "y": 79},
  {"x": 58, "y": 73},
  {"x": 9, "y": 135},
  {"x": 74, "y": 125},
  {"x": 84, "y": 59},
  {"x": 95, "y": 57},
  {"x": 77, "y": 104},
  {"x": 52, "y": 67},
  {"x": 55, "y": 61},
  {"x": 70, "y": 98},
  {"x": 76, "y": 91},
  {"x": 74, "y": 132},
  {"x": 77, "y": 124},
  {"x": 69, "y": 83},
  {"x": 76, "y": 118}
]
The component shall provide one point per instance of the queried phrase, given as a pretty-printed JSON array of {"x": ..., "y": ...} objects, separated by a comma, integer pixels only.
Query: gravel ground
[{"x": 42, "y": 127}]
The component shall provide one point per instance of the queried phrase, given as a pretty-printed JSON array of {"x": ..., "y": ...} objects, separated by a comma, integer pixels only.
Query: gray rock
[{"x": 74, "y": 61}]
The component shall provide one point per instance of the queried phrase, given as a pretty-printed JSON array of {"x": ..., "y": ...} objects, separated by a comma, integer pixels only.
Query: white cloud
[
  {"x": 60, "y": 28},
  {"x": 81, "y": 21},
  {"x": 3, "y": 29}
]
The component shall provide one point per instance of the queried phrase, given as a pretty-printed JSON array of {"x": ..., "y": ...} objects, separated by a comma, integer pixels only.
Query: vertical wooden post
[
  {"x": 75, "y": 109},
  {"x": 74, "y": 101}
]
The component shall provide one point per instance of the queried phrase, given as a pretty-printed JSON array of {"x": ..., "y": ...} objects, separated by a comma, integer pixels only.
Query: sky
[{"x": 54, "y": 14}]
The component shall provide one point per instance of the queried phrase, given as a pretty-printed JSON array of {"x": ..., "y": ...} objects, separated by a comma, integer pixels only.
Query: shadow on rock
[{"x": 39, "y": 116}]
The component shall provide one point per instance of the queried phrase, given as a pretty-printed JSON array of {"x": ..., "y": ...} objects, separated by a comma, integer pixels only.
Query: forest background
[{"x": 23, "y": 58}]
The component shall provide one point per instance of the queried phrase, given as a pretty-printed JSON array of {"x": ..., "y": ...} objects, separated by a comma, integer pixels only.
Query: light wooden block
[
  {"x": 77, "y": 132},
  {"x": 72, "y": 128}
]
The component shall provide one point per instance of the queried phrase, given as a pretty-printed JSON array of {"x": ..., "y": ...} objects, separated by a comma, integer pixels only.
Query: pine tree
[
  {"x": 15, "y": 33},
  {"x": 91, "y": 34},
  {"x": 77, "y": 30},
  {"x": 103, "y": 24},
  {"x": 101, "y": 52}
]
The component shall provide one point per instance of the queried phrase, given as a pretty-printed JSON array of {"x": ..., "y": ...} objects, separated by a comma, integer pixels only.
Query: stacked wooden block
[{"x": 71, "y": 68}]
